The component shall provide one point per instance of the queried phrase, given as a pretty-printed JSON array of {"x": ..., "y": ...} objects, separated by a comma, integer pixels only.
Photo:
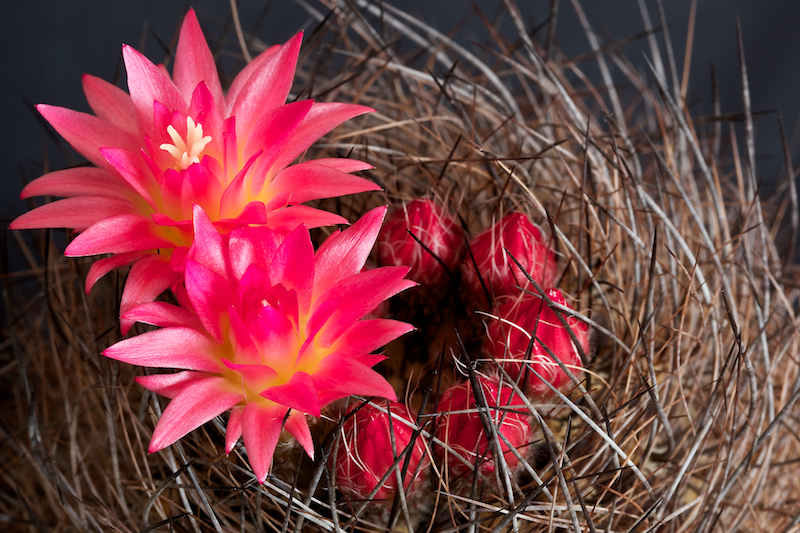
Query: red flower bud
[
  {"x": 464, "y": 432},
  {"x": 365, "y": 452},
  {"x": 501, "y": 275},
  {"x": 434, "y": 228},
  {"x": 529, "y": 312}
]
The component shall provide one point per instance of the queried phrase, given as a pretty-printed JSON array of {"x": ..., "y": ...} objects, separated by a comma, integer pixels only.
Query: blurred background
[{"x": 48, "y": 45}]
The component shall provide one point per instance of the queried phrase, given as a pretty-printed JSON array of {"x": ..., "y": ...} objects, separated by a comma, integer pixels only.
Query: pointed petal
[
  {"x": 244, "y": 349},
  {"x": 87, "y": 133},
  {"x": 320, "y": 120},
  {"x": 110, "y": 103},
  {"x": 267, "y": 87},
  {"x": 359, "y": 295},
  {"x": 209, "y": 247},
  {"x": 163, "y": 315},
  {"x": 271, "y": 135},
  {"x": 210, "y": 295},
  {"x": 170, "y": 385},
  {"x": 293, "y": 265},
  {"x": 343, "y": 164},
  {"x": 194, "y": 63},
  {"x": 234, "y": 428},
  {"x": 261, "y": 428},
  {"x": 149, "y": 277},
  {"x": 195, "y": 405},
  {"x": 183, "y": 348},
  {"x": 251, "y": 246},
  {"x": 287, "y": 219},
  {"x": 343, "y": 255},
  {"x": 341, "y": 374},
  {"x": 101, "y": 267},
  {"x": 366, "y": 336},
  {"x": 75, "y": 213},
  {"x": 310, "y": 181},
  {"x": 318, "y": 319},
  {"x": 81, "y": 181},
  {"x": 118, "y": 234},
  {"x": 255, "y": 377},
  {"x": 243, "y": 77},
  {"x": 134, "y": 170},
  {"x": 147, "y": 84},
  {"x": 297, "y": 425},
  {"x": 298, "y": 393},
  {"x": 235, "y": 194}
]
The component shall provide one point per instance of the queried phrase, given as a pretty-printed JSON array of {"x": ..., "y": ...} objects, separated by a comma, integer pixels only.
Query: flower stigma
[{"x": 186, "y": 153}]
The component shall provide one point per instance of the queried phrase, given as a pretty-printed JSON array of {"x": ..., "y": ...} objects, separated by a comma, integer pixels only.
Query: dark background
[{"x": 47, "y": 45}]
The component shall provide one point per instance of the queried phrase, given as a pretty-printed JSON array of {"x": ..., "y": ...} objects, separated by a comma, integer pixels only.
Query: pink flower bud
[
  {"x": 435, "y": 228},
  {"x": 464, "y": 432},
  {"x": 529, "y": 312},
  {"x": 365, "y": 452},
  {"x": 499, "y": 272}
]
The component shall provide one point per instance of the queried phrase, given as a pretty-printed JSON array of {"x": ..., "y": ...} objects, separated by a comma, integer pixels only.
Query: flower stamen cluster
[{"x": 186, "y": 153}]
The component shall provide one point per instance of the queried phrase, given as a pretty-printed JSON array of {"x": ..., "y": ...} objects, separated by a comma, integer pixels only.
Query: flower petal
[
  {"x": 194, "y": 63},
  {"x": 234, "y": 428},
  {"x": 343, "y": 164},
  {"x": 321, "y": 119},
  {"x": 310, "y": 181},
  {"x": 366, "y": 336},
  {"x": 195, "y": 405},
  {"x": 147, "y": 84},
  {"x": 101, "y": 267},
  {"x": 293, "y": 265},
  {"x": 251, "y": 246},
  {"x": 81, "y": 181},
  {"x": 343, "y": 255},
  {"x": 244, "y": 349},
  {"x": 288, "y": 218},
  {"x": 208, "y": 248},
  {"x": 210, "y": 295},
  {"x": 76, "y": 213},
  {"x": 267, "y": 87},
  {"x": 343, "y": 375},
  {"x": 87, "y": 133},
  {"x": 271, "y": 135},
  {"x": 261, "y": 428},
  {"x": 244, "y": 76},
  {"x": 110, "y": 103},
  {"x": 134, "y": 170},
  {"x": 298, "y": 393},
  {"x": 297, "y": 425},
  {"x": 148, "y": 278},
  {"x": 119, "y": 234},
  {"x": 359, "y": 295},
  {"x": 163, "y": 315},
  {"x": 183, "y": 348},
  {"x": 170, "y": 385}
]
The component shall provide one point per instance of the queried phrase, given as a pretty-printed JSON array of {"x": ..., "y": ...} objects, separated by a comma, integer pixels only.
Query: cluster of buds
[
  {"x": 373, "y": 438},
  {"x": 409, "y": 231},
  {"x": 463, "y": 429},
  {"x": 511, "y": 341}
]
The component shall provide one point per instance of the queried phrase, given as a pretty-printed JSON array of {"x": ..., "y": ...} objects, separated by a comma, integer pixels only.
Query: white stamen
[{"x": 189, "y": 152}]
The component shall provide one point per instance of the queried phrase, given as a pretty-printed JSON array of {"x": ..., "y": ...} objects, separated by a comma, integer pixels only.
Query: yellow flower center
[{"x": 189, "y": 151}]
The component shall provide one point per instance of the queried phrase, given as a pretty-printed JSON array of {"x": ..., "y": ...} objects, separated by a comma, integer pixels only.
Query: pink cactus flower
[
  {"x": 501, "y": 275},
  {"x": 365, "y": 452},
  {"x": 463, "y": 432},
  {"x": 175, "y": 142},
  {"x": 528, "y": 313},
  {"x": 267, "y": 329},
  {"x": 435, "y": 228}
]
